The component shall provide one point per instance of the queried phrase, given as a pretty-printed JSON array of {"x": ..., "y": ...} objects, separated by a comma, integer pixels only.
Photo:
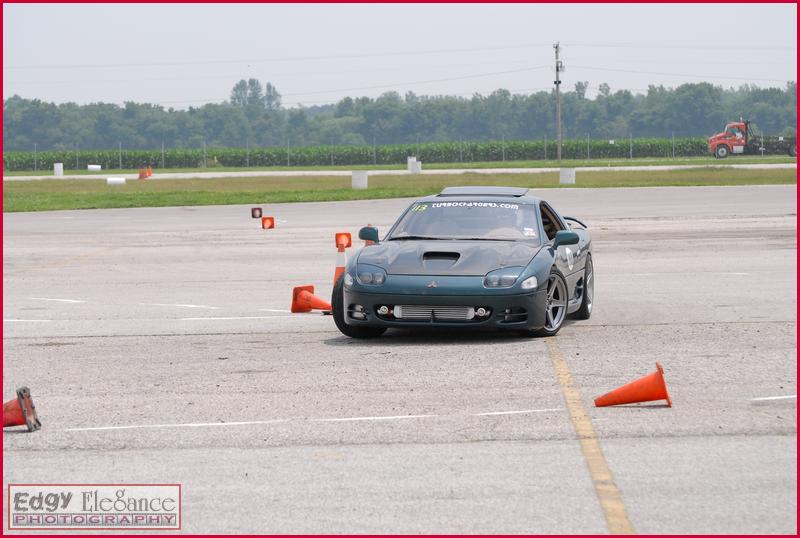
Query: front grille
[{"x": 429, "y": 313}]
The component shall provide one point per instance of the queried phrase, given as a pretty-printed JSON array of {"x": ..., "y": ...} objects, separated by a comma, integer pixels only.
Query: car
[{"x": 469, "y": 257}]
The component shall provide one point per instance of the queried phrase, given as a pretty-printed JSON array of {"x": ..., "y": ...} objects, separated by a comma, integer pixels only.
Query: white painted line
[
  {"x": 524, "y": 411},
  {"x": 681, "y": 273},
  {"x": 230, "y": 317},
  {"x": 770, "y": 398},
  {"x": 281, "y": 421},
  {"x": 354, "y": 419},
  {"x": 27, "y": 320},
  {"x": 182, "y": 305},
  {"x": 274, "y": 310},
  {"x": 185, "y": 425},
  {"x": 57, "y": 300}
]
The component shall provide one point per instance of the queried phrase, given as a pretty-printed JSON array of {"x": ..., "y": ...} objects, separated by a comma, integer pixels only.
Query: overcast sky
[{"x": 182, "y": 55}]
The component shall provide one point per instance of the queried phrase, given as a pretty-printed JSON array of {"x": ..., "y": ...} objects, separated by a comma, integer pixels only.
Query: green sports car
[{"x": 469, "y": 257}]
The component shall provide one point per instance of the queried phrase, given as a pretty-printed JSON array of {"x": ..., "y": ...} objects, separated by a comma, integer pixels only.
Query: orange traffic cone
[
  {"x": 304, "y": 300},
  {"x": 142, "y": 173},
  {"x": 21, "y": 411},
  {"x": 267, "y": 223},
  {"x": 648, "y": 388},
  {"x": 343, "y": 241},
  {"x": 149, "y": 171},
  {"x": 255, "y": 212}
]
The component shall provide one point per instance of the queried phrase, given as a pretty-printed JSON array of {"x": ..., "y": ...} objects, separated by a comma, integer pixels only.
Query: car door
[{"x": 566, "y": 257}]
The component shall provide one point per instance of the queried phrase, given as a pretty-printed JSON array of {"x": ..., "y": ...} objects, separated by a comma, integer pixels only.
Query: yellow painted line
[{"x": 604, "y": 486}]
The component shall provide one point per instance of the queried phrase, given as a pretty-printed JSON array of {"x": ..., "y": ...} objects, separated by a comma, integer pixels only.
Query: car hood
[{"x": 456, "y": 258}]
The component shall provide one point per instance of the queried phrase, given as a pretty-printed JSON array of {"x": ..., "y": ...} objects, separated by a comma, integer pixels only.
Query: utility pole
[{"x": 557, "y": 82}]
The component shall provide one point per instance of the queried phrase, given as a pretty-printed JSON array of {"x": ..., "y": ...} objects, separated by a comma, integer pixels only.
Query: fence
[{"x": 427, "y": 152}]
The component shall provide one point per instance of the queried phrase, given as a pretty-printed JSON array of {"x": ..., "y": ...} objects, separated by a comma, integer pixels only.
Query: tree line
[{"x": 255, "y": 117}]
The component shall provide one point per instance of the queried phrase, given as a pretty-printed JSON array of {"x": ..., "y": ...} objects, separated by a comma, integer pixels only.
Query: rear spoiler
[{"x": 573, "y": 219}]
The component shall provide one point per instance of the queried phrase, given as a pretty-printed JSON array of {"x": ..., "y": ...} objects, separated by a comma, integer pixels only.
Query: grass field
[
  {"x": 767, "y": 159},
  {"x": 87, "y": 194}
]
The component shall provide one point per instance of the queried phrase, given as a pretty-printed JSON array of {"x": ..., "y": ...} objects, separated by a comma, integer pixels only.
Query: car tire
[
  {"x": 721, "y": 152},
  {"x": 792, "y": 151},
  {"x": 337, "y": 304},
  {"x": 585, "y": 311},
  {"x": 554, "y": 320}
]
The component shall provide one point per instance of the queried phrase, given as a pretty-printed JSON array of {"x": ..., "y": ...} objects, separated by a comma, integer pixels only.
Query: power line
[
  {"x": 269, "y": 60},
  {"x": 684, "y": 46},
  {"x": 271, "y": 76},
  {"x": 636, "y": 71},
  {"x": 379, "y": 86}
]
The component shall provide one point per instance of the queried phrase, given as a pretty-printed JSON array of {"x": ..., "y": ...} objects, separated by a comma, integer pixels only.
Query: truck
[{"x": 740, "y": 138}]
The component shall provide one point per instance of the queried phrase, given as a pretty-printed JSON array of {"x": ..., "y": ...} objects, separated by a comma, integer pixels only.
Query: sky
[{"x": 182, "y": 55}]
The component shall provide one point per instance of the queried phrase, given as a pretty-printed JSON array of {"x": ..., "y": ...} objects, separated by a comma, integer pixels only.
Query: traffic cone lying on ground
[
  {"x": 20, "y": 411},
  {"x": 267, "y": 223},
  {"x": 304, "y": 300},
  {"x": 648, "y": 388},
  {"x": 255, "y": 212}
]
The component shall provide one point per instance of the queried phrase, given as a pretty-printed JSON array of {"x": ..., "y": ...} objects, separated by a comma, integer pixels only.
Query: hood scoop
[{"x": 436, "y": 261}]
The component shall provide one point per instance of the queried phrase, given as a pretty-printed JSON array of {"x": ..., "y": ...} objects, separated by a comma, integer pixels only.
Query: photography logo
[{"x": 94, "y": 506}]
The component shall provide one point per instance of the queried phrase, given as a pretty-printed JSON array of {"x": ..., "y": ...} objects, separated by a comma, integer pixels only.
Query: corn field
[{"x": 430, "y": 152}]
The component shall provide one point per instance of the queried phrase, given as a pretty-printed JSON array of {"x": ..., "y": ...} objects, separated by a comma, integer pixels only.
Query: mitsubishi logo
[{"x": 432, "y": 284}]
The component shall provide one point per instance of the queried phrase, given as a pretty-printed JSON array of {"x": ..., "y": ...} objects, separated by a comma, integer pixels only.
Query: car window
[
  {"x": 469, "y": 219},
  {"x": 550, "y": 221}
]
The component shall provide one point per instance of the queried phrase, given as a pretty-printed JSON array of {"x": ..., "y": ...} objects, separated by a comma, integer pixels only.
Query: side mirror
[
  {"x": 369, "y": 233},
  {"x": 565, "y": 237}
]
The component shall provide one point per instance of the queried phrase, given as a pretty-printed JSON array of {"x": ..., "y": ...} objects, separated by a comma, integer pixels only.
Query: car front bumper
[{"x": 508, "y": 311}]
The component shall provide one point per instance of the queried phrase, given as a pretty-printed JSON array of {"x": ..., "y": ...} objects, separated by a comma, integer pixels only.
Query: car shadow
[
  {"x": 431, "y": 336},
  {"x": 439, "y": 336},
  {"x": 643, "y": 406}
]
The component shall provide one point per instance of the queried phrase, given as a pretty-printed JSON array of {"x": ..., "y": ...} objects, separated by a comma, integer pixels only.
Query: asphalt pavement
[{"x": 158, "y": 347}]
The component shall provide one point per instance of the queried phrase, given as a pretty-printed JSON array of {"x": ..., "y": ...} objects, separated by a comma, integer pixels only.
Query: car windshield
[{"x": 469, "y": 220}]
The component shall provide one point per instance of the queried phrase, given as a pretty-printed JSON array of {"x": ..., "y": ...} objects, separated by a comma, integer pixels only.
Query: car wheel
[
  {"x": 587, "y": 291},
  {"x": 792, "y": 151},
  {"x": 555, "y": 305},
  {"x": 337, "y": 304},
  {"x": 721, "y": 152}
]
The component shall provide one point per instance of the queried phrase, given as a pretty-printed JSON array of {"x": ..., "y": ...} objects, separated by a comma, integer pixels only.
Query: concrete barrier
[
  {"x": 94, "y": 167},
  {"x": 58, "y": 169},
  {"x": 115, "y": 181},
  {"x": 360, "y": 179},
  {"x": 566, "y": 176}
]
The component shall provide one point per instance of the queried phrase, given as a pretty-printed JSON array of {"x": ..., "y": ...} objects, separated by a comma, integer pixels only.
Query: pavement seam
[{"x": 603, "y": 481}]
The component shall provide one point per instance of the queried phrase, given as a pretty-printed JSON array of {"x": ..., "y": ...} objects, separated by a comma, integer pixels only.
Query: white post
[
  {"x": 58, "y": 169},
  {"x": 360, "y": 179},
  {"x": 566, "y": 176}
]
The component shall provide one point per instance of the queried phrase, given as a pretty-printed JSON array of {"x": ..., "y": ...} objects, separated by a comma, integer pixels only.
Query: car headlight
[
  {"x": 370, "y": 275},
  {"x": 348, "y": 280},
  {"x": 502, "y": 278},
  {"x": 530, "y": 283}
]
